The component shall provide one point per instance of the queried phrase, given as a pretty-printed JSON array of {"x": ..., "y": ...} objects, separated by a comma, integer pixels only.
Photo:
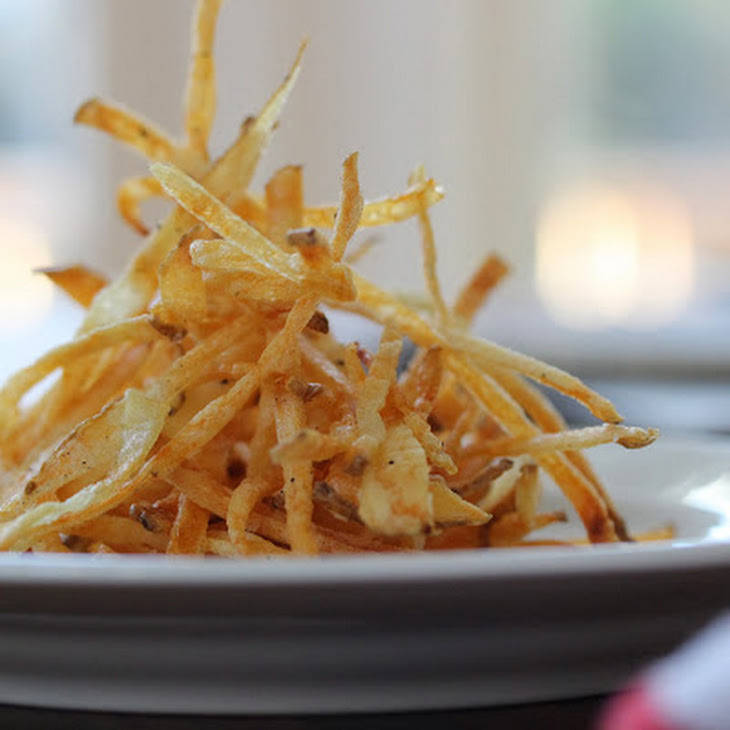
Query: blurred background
[{"x": 587, "y": 141}]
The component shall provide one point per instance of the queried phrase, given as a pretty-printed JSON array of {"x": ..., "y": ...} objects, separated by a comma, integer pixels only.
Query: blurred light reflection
[
  {"x": 613, "y": 256},
  {"x": 25, "y": 297},
  {"x": 714, "y": 498}
]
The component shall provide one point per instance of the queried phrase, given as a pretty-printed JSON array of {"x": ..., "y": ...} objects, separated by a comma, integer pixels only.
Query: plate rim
[{"x": 19, "y": 570}]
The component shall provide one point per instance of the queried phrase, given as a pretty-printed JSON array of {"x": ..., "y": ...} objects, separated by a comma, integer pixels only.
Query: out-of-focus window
[
  {"x": 588, "y": 141},
  {"x": 633, "y": 230},
  {"x": 48, "y": 202}
]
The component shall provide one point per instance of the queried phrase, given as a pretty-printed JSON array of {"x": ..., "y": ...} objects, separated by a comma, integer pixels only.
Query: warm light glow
[
  {"x": 25, "y": 297},
  {"x": 610, "y": 256}
]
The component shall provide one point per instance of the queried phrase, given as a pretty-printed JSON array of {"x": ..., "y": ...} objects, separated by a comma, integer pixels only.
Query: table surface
[{"x": 570, "y": 715}]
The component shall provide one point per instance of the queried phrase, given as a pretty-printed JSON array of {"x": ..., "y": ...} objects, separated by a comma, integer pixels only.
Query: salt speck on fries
[{"x": 204, "y": 407}]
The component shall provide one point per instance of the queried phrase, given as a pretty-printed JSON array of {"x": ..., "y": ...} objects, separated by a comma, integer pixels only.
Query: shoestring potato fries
[{"x": 204, "y": 407}]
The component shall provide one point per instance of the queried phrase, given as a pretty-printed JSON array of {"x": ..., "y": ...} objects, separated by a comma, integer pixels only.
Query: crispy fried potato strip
[
  {"x": 207, "y": 407},
  {"x": 80, "y": 283}
]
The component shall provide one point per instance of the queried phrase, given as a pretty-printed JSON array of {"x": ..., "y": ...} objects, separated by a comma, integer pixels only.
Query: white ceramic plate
[{"x": 377, "y": 633}]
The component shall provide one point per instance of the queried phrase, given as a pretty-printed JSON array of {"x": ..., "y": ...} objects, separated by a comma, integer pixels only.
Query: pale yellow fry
[
  {"x": 580, "y": 491},
  {"x": 298, "y": 475},
  {"x": 430, "y": 443},
  {"x": 263, "y": 441},
  {"x": 85, "y": 455},
  {"x": 381, "y": 212},
  {"x": 394, "y": 492},
  {"x": 374, "y": 390},
  {"x": 353, "y": 365},
  {"x": 548, "y": 418},
  {"x": 130, "y": 194},
  {"x": 246, "y": 277},
  {"x": 311, "y": 443},
  {"x": 247, "y": 287},
  {"x": 137, "y": 329},
  {"x": 208, "y": 209},
  {"x": 80, "y": 283},
  {"x": 200, "y": 98},
  {"x": 428, "y": 247},
  {"x": 144, "y": 421},
  {"x": 487, "y": 355},
  {"x": 257, "y": 545},
  {"x": 231, "y": 258},
  {"x": 189, "y": 531},
  {"x": 350, "y": 209},
  {"x": 44, "y": 423},
  {"x": 326, "y": 370},
  {"x": 127, "y": 127},
  {"x": 630, "y": 437},
  {"x": 387, "y": 309},
  {"x": 588, "y": 502},
  {"x": 527, "y": 492},
  {"x": 450, "y": 509}
]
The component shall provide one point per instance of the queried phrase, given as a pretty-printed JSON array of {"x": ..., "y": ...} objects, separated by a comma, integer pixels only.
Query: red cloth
[
  {"x": 633, "y": 709},
  {"x": 688, "y": 690}
]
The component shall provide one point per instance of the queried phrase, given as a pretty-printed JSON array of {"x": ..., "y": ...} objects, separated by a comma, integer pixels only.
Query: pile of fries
[{"x": 204, "y": 407}]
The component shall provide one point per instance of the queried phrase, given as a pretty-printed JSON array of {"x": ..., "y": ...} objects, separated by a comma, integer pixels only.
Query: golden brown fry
[
  {"x": 298, "y": 474},
  {"x": 589, "y": 505},
  {"x": 189, "y": 532},
  {"x": 350, "y": 210},
  {"x": 374, "y": 391},
  {"x": 182, "y": 289},
  {"x": 113, "y": 533},
  {"x": 428, "y": 248},
  {"x": 124, "y": 125},
  {"x": 547, "y": 418},
  {"x": 629, "y": 437},
  {"x": 381, "y": 212},
  {"x": 209, "y": 210},
  {"x": 80, "y": 283},
  {"x": 508, "y": 531},
  {"x": 138, "y": 329},
  {"x": 284, "y": 203},
  {"x": 200, "y": 97},
  {"x": 142, "y": 423},
  {"x": 481, "y": 283},
  {"x": 489, "y": 355},
  {"x": 202, "y": 489},
  {"x": 387, "y": 309},
  {"x": 206, "y": 406}
]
